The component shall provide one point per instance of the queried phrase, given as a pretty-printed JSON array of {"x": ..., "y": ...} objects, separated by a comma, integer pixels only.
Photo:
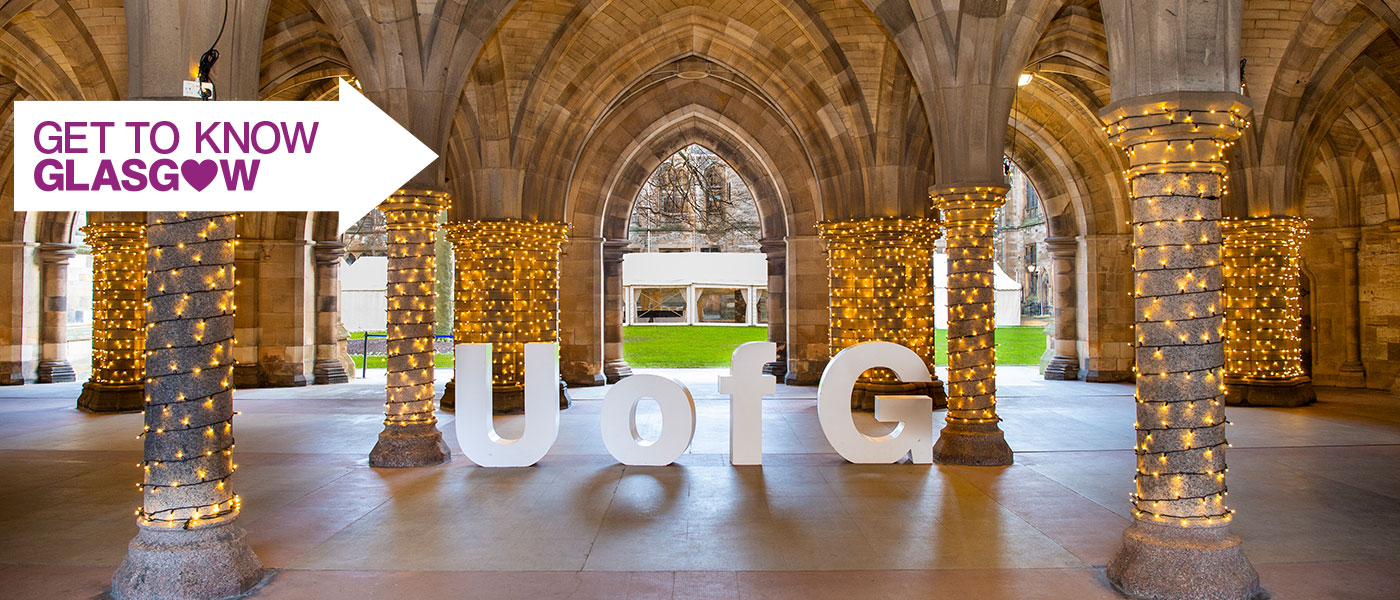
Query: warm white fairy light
[
  {"x": 118, "y": 304},
  {"x": 969, "y": 215},
  {"x": 411, "y": 220},
  {"x": 881, "y": 284},
  {"x": 1176, "y": 180},
  {"x": 189, "y": 363},
  {"x": 507, "y": 290},
  {"x": 1263, "y": 306}
]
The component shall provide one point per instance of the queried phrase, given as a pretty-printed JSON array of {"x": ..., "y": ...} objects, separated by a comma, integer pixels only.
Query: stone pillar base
[
  {"x": 1288, "y": 393},
  {"x": 616, "y": 370},
  {"x": 11, "y": 373},
  {"x": 1351, "y": 375},
  {"x": 587, "y": 380},
  {"x": 329, "y": 370},
  {"x": 864, "y": 393},
  {"x": 800, "y": 378},
  {"x": 112, "y": 398},
  {"x": 972, "y": 444},
  {"x": 449, "y": 395},
  {"x": 1062, "y": 368},
  {"x": 777, "y": 369},
  {"x": 1095, "y": 376},
  {"x": 511, "y": 400},
  {"x": 1165, "y": 561},
  {"x": 55, "y": 371},
  {"x": 403, "y": 446},
  {"x": 260, "y": 376},
  {"x": 203, "y": 563}
]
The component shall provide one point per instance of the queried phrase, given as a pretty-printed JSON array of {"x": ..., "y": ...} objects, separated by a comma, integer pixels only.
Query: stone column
[
  {"x": 18, "y": 325},
  {"x": 971, "y": 435},
  {"x": 1352, "y": 371},
  {"x": 332, "y": 363},
  {"x": 188, "y": 545},
  {"x": 809, "y": 313},
  {"x": 1064, "y": 365},
  {"x": 53, "y": 317},
  {"x": 1179, "y": 543},
  {"x": 410, "y": 437},
  {"x": 881, "y": 286},
  {"x": 275, "y": 330},
  {"x": 581, "y": 318},
  {"x": 507, "y": 275},
  {"x": 118, "y": 318},
  {"x": 1263, "y": 312},
  {"x": 615, "y": 367},
  {"x": 775, "y": 250}
]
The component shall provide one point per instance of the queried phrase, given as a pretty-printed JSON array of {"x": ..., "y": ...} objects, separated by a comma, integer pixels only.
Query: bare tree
[{"x": 692, "y": 192}]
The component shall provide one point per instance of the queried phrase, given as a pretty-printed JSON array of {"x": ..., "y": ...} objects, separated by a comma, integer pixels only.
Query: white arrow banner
[{"x": 344, "y": 157}]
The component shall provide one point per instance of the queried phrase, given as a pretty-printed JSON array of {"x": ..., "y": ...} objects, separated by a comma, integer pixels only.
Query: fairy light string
[
  {"x": 188, "y": 413},
  {"x": 411, "y": 220},
  {"x": 1263, "y": 305},
  {"x": 969, "y": 215},
  {"x": 118, "y": 307},
  {"x": 507, "y": 290},
  {"x": 1176, "y": 178},
  {"x": 881, "y": 285}
]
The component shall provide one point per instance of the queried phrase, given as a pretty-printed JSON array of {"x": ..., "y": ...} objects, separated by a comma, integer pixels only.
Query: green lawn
[
  {"x": 708, "y": 346},
  {"x": 441, "y": 361},
  {"x": 685, "y": 345}
]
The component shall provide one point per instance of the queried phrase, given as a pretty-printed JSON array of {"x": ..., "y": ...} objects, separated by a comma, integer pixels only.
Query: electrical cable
[{"x": 207, "y": 60}]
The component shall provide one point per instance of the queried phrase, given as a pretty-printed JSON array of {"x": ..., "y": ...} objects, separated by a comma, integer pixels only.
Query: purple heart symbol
[{"x": 199, "y": 173}]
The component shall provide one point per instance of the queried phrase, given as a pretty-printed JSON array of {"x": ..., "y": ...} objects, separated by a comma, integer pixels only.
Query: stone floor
[{"x": 1317, "y": 490}]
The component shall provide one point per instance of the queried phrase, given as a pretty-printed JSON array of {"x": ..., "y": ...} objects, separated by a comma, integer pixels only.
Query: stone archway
[{"x": 631, "y": 141}]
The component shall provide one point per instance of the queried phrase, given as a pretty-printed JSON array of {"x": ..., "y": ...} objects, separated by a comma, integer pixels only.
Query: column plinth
[
  {"x": 188, "y": 545},
  {"x": 410, "y": 437},
  {"x": 775, "y": 251},
  {"x": 53, "y": 320},
  {"x": 1064, "y": 364},
  {"x": 881, "y": 289},
  {"x": 118, "y": 318},
  {"x": 971, "y": 435},
  {"x": 332, "y": 364},
  {"x": 615, "y": 367},
  {"x": 1263, "y": 313},
  {"x": 1179, "y": 544},
  {"x": 507, "y": 282}
]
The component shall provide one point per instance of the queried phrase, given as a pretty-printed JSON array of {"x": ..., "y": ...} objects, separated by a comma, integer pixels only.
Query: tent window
[
  {"x": 660, "y": 305},
  {"x": 723, "y": 305}
]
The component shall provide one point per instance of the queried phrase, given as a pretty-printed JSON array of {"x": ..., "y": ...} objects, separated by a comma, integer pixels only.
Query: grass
[
  {"x": 440, "y": 361},
  {"x": 708, "y": 346},
  {"x": 685, "y": 345}
]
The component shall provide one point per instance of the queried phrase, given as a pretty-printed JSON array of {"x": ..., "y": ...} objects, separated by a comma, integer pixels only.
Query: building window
[
  {"x": 716, "y": 189},
  {"x": 1032, "y": 203}
]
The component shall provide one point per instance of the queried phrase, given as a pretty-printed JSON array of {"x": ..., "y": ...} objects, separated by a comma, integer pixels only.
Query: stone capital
[
  {"x": 1176, "y": 132},
  {"x": 775, "y": 248},
  {"x": 412, "y": 199},
  {"x": 1223, "y": 102},
  {"x": 1348, "y": 237},
  {"x": 55, "y": 253},
  {"x": 326, "y": 253},
  {"x": 943, "y": 193},
  {"x": 1062, "y": 248},
  {"x": 613, "y": 250}
]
